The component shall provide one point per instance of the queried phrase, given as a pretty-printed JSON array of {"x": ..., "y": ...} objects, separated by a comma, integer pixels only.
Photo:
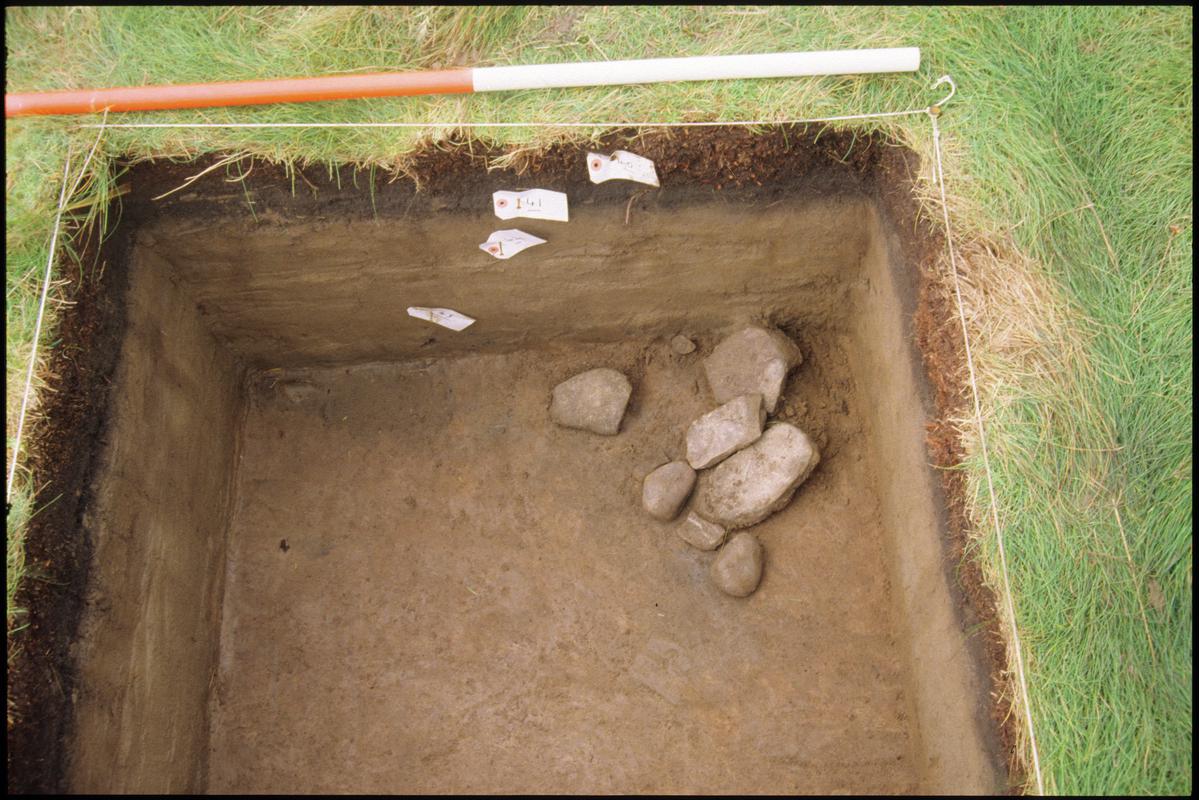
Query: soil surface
[
  {"x": 472, "y": 599},
  {"x": 297, "y": 552}
]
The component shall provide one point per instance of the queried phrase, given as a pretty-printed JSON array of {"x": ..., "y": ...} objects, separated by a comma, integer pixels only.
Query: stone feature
[
  {"x": 753, "y": 360},
  {"x": 666, "y": 489},
  {"x": 737, "y": 569},
  {"x": 682, "y": 345},
  {"x": 718, "y": 434},
  {"x": 752, "y": 484},
  {"x": 701, "y": 534},
  {"x": 592, "y": 401}
]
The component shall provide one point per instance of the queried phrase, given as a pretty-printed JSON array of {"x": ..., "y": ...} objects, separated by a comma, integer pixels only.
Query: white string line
[
  {"x": 982, "y": 436},
  {"x": 37, "y": 330},
  {"x": 744, "y": 122},
  {"x": 41, "y": 310}
]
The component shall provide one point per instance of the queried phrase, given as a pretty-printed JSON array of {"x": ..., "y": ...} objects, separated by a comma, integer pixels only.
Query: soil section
[
  {"x": 597, "y": 279},
  {"x": 158, "y": 523}
]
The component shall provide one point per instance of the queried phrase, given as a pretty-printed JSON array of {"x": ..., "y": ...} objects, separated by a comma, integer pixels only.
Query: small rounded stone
[
  {"x": 682, "y": 345},
  {"x": 737, "y": 569}
]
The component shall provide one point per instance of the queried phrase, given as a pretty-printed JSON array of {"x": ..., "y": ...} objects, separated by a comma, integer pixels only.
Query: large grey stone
[
  {"x": 718, "y": 434},
  {"x": 699, "y": 533},
  {"x": 753, "y": 360},
  {"x": 752, "y": 484},
  {"x": 666, "y": 489},
  {"x": 592, "y": 401},
  {"x": 737, "y": 569}
]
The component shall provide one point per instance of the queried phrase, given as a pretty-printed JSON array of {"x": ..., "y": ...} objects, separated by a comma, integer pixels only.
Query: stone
[
  {"x": 666, "y": 489},
  {"x": 682, "y": 345},
  {"x": 737, "y": 569},
  {"x": 753, "y": 360},
  {"x": 298, "y": 391},
  {"x": 718, "y": 434},
  {"x": 701, "y": 534},
  {"x": 592, "y": 401},
  {"x": 752, "y": 484}
]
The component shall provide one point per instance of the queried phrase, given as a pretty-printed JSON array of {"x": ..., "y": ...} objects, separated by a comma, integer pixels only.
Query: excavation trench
[{"x": 332, "y": 548}]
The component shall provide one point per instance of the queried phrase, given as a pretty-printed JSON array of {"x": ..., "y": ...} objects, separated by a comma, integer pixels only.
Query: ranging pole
[{"x": 464, "y": 81}]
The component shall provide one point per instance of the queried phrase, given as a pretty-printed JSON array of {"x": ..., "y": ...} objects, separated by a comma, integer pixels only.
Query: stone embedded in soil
[
  {"x": 718, "y": 434},
  {"x": 753, "y": 360},
  {"x": 699, "y": 533},
  {"x": 682, "y": 345},
  {"x": 298, "y": 391},
  {"x": 752, "y": 484},
  {"x": 737, "y": 569},
  {"x": 592, "y": 401},
  {"x": 666, "y": 489}
]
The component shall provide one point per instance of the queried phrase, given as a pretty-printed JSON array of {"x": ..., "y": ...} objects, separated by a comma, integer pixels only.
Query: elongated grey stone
[
  {"x": 718, "y": 434},
  {"x": 752, "y": 484},
  {"x": 737, "y": 569},
  {"x": 753, "y": 360},
  {"x": 666, "y": 489},
  {"x": 592, "y": 401},
  {"x": 699, "y": 533}
]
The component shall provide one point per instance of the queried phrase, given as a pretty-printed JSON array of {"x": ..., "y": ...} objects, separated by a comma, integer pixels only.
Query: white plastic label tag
[
  {"x": 505, "y": 244},
  {"x": 533, "y": 203},
  {"x": 621, "y": 165},
  {"x": 445, "y": 317}
]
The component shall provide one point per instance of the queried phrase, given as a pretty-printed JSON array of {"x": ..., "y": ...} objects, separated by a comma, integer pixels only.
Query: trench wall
[
  {"x": 949, "y": 695},
  {"x": 147, "y": 650},
  {"x": 330, "y": 292}
]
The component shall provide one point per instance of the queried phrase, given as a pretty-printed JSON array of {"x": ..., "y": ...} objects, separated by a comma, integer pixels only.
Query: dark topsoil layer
[{"x": 696, "y": 164}]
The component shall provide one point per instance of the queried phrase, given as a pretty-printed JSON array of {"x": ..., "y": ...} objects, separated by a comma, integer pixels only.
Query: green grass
[{"x": 1069, "y": 166}]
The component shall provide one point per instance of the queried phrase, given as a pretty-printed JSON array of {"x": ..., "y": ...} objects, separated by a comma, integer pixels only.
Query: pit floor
[{"x": 433, "y": 588}]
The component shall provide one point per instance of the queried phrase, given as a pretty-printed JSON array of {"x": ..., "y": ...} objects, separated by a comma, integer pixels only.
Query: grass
[{"x": 1069, "y": 165}]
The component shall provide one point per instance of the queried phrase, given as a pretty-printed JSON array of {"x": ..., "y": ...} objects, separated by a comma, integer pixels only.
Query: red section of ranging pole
[{"x": 242, "y": 93}]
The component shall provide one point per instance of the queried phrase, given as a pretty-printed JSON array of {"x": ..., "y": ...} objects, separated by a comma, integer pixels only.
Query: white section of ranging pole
[{"x": 696, "y": 68}]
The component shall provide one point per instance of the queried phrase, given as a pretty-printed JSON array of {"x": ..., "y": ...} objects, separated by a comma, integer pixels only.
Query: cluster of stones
[{"x": 750, "y": 469}]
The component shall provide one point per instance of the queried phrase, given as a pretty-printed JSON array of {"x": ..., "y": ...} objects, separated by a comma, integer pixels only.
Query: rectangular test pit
[{"x": 337, "y": 549}]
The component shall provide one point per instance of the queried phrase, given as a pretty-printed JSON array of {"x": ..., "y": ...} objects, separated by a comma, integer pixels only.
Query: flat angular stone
[
  {"x": 701, "y": 534},
  {"x": 666, "y": 489},
  {"x": 592, "y": 401},
  {"x": 737, "y": 569},
  {"x": 718, "y": 434},
  {"x": 753, "y": 360},
  {"x": 752, "y": 484}
]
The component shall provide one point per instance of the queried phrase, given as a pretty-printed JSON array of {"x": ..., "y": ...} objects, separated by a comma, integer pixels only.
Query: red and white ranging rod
[{"x": 465, "y": 81}]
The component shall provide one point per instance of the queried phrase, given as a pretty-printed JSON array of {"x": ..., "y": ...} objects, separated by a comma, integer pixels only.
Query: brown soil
[
  {"x": 492, "y": 579},
  {"x": 541, "y": 629}
]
